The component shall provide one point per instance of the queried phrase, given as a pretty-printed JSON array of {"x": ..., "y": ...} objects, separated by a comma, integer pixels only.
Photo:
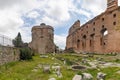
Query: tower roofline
[{"x": 111, "y": 5}]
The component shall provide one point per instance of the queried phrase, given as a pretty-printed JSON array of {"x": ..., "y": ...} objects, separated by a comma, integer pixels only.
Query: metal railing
[{"x": 5, "y": 41}]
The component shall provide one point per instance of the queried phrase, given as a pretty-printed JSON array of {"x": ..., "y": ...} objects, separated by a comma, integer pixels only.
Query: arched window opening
[
  {"x": 87, "y": 26},
  {"x": 78, "y": 43},
  {"x": 104, "y": 43},
  {"x": 90, "y": 43},
  {"x": 84, "y": 41},
  {"x": 104, "y": 32},
  {"x": 103, "y": 39},
  {"x": 93, "y": 29},
  {"x": 87, "y": 32},
  {"x": 114, "y": 15},
  {"x": 92, "y": 36},
  {"x": 114, "y": 23},
  {"x": 102, "y": 19},
  {"x": 102, "y": 26},
  {"x": 84, "y": 37}
]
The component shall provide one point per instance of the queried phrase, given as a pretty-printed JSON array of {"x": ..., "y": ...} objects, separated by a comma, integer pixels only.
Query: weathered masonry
[
  {"x": 42, "y": 39},
  {"x": 100, "y": 35},
  {"x": 8, "y": 54}
]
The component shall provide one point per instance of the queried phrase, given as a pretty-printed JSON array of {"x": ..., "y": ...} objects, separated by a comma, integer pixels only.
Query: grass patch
[{"x": 22, "y": 70}]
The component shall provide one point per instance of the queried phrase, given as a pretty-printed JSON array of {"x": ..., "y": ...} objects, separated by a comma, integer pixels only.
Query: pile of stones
[{"x": 88, "y": 76}]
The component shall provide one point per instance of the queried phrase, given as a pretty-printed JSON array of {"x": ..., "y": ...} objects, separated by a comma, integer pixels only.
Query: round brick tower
[{"x": 43, "y": 39}]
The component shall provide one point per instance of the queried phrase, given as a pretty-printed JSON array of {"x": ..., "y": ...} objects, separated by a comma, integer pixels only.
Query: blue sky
[{"x": 21, "y": 15}]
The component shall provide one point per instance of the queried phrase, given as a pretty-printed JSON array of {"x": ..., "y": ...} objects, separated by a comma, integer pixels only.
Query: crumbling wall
[
  {"x": 99, "y": 35},
  {"x": 8, "y": 54}
]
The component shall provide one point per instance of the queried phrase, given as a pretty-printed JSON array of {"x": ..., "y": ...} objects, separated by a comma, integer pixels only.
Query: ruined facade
[
  {"x": 100, "y": 35},
  {"x": 42, "y": 39}
]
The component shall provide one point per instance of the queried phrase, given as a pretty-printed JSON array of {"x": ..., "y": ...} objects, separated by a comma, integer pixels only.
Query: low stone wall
[{"x": 8, "y": 54}]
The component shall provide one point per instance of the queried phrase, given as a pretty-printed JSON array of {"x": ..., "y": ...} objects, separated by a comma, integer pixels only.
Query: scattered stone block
[
  {"x": 87, "y": 76},
  {"x": 64, "y": 62},
  {"x": 101, "y": 76},
  {"x": 77, "y": 77},
  {"x": 56, "y": 64},
  {"x": 118, "y": 72},
  {"x": 39, "y": 66},
  {"x": 52, "y": 58},
  {"x": 56, "y": 68},
  {"x": 34, "y": 70},
  {"x": 44, "y": 56},
  {"x": 52, "y": 79},
  {"x": 46, "y": 69}
]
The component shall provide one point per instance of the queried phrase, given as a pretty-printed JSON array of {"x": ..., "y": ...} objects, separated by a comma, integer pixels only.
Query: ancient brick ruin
[
  {"x": 100, "y": 35},
  {"x": 42, "y": 39}
]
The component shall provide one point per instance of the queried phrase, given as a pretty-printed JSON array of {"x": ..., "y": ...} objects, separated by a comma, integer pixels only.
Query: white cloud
[
  {"x": 94, "y": 6},
  {"x": 58, "y": 11},
  {"x": 119, "y": 2},
  {"x": 7, "y": 3},
  {"x": 49, "y": 21},
  {"x": 33, "y": 14},
  {"x": 9, "y": 21},
  {"x": 12, "y": 12},
  {"x": 60, "y": 40},
  {"x": 26, "y": 37}
]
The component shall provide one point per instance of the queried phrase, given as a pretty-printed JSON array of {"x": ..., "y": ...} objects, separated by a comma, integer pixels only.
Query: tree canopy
[{"x": 18, "y": 41}]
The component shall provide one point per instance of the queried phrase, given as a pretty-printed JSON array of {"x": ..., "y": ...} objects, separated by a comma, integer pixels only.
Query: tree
[
  {"x": 25, "y": 52},
  {"x": 18, "y": 41}
]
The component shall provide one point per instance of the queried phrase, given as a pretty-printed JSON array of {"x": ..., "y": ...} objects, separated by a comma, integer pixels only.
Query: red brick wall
[{"x": 89, "y": 37}]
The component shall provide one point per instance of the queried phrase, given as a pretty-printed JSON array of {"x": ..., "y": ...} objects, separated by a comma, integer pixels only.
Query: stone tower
[
  {"x": 42, "y": 39},
  {"x": 112, "y": 4}
]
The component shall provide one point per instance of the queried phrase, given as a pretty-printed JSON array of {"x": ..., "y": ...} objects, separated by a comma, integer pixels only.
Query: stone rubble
[
  {"x": 52, "y": 79},
  {"x": 77, "y": 77},
  {"x": 87, "y": 76},
  {"x": 101, "y": 76},
  {"x": 46, "y": 68}
]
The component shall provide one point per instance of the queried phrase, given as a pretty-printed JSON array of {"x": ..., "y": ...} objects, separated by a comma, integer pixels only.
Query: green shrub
[
  {"x": 117, "y": 60},
  {"x": 68, "y": 62},
  {"x": 25, "y": 53}
]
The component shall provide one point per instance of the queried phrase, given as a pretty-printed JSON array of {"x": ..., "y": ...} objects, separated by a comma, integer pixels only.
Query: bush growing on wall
[{"x": 25, "y": 53}]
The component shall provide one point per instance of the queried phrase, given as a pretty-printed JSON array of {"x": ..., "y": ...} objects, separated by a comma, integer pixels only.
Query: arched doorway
[
  {"x": 103, "y": 39},
  {"x": 84, "y": 42},
  {"x": 78, "y": 44},
  {"x": 92, "y": 38}
]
